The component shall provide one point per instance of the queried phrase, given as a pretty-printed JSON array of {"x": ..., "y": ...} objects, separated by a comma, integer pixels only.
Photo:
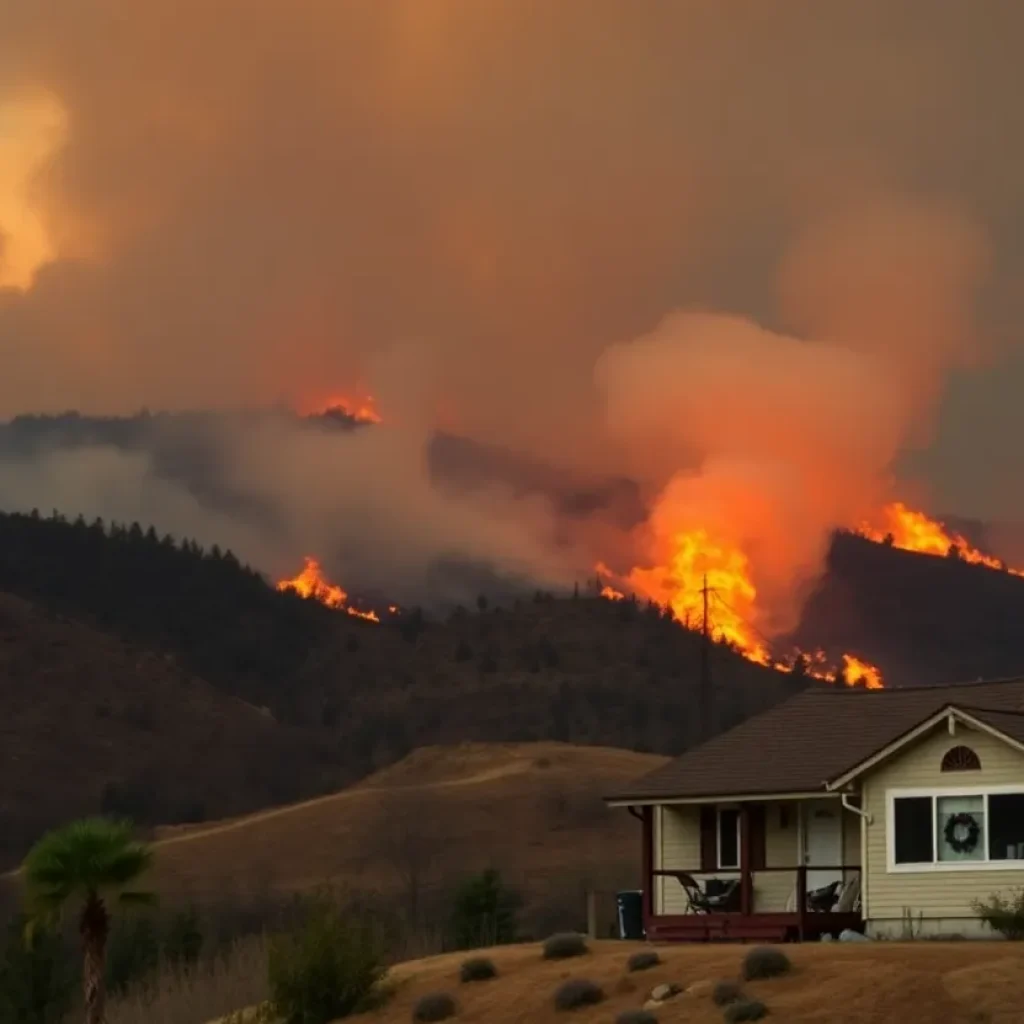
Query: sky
[{"x": 465, "y": 206}]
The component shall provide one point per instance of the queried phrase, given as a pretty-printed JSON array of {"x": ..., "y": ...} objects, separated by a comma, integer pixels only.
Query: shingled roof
[{"x": 819, "y": 734}]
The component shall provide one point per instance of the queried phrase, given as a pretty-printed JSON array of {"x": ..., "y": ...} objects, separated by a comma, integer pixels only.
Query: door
[{"x": 823, "y": 842}]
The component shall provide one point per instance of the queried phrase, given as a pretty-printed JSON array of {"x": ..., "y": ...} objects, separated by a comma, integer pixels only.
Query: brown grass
[{"x": 975, "y": 983}]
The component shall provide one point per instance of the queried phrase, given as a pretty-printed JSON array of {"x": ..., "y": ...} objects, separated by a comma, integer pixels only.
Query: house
[{"x": 875, "y": 810}]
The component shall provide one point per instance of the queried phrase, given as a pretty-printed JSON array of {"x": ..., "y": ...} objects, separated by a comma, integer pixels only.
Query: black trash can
[{"x": 631, "y": 914}]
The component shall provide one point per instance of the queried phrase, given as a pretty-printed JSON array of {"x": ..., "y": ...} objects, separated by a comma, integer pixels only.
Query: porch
[{"x": 769, "y": 870}]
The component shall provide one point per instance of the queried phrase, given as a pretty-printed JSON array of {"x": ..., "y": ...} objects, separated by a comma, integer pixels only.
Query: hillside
[
  {"x": 90, "y": 723},
  {"x": 411, "y": 831}
]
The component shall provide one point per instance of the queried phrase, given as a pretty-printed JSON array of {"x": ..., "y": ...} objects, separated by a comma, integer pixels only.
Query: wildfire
[
  {"x": 311, "y": 583},
  {"x": 858, "y": 672},
  {"x": 358, "y": 410},
  {"x": 914, "y": 531}
]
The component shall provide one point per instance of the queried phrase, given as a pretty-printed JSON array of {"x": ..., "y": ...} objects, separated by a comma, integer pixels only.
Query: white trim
[
  {"x": 658, "y": 858},
  {"x": 722, "y": 798},
  {"x": 950, "y": 713},
  {"x": 936, "y": 865},
  {"x": 718, "y": 839}
]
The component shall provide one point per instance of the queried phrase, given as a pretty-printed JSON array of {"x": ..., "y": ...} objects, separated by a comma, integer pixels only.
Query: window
[
  {"x": 966, "y": 827},
  {"x": 728, "y": 838},
  {"x": 961, "y": 759}
]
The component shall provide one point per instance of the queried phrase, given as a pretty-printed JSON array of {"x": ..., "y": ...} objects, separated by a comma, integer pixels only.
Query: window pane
[
  {"x": 960, "y": 825},
  {"x": 912, "y": 827},
  {"x": 728, "y": 844},
  {"x": 1006, "y": 826}
]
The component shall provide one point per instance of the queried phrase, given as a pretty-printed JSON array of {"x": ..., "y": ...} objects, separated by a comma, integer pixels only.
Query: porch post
[
  {"x": 746, "y": 881},
  {"x": 648, "y": 865}
]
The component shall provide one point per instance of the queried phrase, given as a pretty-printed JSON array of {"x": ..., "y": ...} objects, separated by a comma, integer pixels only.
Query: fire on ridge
[{"x": 310, "y": 583}]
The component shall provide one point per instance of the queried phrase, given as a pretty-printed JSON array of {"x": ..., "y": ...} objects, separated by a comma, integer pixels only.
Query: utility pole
[{"x": 704, "y": 694}]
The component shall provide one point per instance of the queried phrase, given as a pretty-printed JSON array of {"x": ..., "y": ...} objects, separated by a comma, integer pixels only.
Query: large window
[
  {"x": 728, "y": 838},
  {"x": 947, "y": 829}
]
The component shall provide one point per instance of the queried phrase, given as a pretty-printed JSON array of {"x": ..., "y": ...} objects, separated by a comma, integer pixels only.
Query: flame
[
  {"x": 359, "y": 410},
  {"x": 859, "y": 672},
  {"x": 912, "y": 530},
  {"x": 311, "y": 583},
  {"x": 608, "y": 592}
]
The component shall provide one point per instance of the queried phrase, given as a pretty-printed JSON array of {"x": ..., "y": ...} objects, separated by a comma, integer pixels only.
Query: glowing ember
[
  {"x": 914, "y": 531},
  {"x": 359, "y": 410},
  {"x": 310, "y": 583}
]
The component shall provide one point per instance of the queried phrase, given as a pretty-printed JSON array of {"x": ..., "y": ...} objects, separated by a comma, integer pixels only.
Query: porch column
[
  {"x": 746, "y": 881},
  {"x": 648, "y": 864}
]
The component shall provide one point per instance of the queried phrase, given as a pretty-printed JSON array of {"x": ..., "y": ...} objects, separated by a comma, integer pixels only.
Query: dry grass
[
  {"x": 977, "y": 983},
  {"x": 211, "y": 990}
]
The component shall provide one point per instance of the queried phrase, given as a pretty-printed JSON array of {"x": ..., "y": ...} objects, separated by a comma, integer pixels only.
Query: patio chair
[
  {"x": 703, "y": 901},
  {"x": 849, "y": 897},
  {"x": 822, "y": 900}
]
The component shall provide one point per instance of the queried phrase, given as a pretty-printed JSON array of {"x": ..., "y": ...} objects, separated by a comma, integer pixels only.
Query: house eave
[{"x": 711, "y": 798}]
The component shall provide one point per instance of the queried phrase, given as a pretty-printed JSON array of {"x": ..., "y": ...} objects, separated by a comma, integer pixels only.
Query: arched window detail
[{"x": 961, "y": 759}]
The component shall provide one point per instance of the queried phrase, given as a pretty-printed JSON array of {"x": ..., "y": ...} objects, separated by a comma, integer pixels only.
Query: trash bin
[{"x": 630, "y": 906}]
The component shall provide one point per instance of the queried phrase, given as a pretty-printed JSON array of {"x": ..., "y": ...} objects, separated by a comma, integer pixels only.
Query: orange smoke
[
  {"x": 359, "y": 410},
  {"x": 310, "y": 583},
  {"x": 911, "y": 530}
]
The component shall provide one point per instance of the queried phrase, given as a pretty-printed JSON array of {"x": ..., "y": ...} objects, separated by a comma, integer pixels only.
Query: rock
[
  {"x": 662, "y": 992},
  {"x": 849, "y": 935},
  {"x": 700, "y": 988},
  {"x": 827, "y": 937},
  {"x": 652, "y": 1004}
]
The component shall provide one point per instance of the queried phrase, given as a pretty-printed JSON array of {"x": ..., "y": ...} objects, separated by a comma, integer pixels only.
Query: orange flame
[
  {"x": 359, "y": 410},
  {"x": 859, "y": 672},
  {"x": 311, "y": 583},
  {"x": 911, "y": 530}
]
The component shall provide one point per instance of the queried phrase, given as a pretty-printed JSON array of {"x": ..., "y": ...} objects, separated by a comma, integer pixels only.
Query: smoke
[{"x": 788, "y": 438}]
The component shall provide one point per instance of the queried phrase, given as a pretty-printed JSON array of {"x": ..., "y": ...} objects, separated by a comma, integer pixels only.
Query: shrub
[
  {"x": 327, "y": 968},
  {"x": 37, "y": 978},
  {"x": 765, "y": 962},
  {"x": 565, "y": 945},
  {"x": 183, "y": 940},
  {"x": 643, "y": 961},
  {"x": 726, "y": 992},
  {"x": 479, "y": 968},
  {"x": 434, "y": 1007},
  {"x": 577, "y": 992},
  {"x": 745, "y": 1009},
  {"x": 1003, "y": 914},
  {"x": 484, "y": 912},
  {"x": 133, "y": 953},
  {"x": 636, "y": 1017}
]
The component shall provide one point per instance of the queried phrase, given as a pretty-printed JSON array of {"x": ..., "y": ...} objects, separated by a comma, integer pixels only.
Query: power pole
[{"x": 704, "y": 695}]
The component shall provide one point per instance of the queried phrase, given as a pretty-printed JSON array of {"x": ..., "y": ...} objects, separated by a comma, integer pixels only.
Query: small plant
[
  {"x": 726, "y": 992},
  {"x": 478, "y": 968},
  {"x": 565, "y": 945},
  {"x": 484, "y": 912},
  {"x": 37, "y": 979},
  {"x": 1003, "y": 914},
  {"x": 764, "y": 962},
  {"x": 577, "y": 992},
  {"x": 434, "y": 1007},
  {"x": 643, "y": 961},
  {"x": 744, "y": 1010},
  {"x": 636, "y": 1017}
]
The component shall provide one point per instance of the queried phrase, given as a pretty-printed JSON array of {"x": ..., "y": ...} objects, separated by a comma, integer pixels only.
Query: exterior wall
[
  {"x": 774, "y": 890},
  {"x": 932, "y": 901},
  {"x": 680, "y": 848}
]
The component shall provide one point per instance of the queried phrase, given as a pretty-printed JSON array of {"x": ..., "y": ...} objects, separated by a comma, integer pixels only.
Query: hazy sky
[{"x": 214, "y": 202}]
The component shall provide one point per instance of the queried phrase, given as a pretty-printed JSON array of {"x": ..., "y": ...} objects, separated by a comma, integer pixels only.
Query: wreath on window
[{"x": 962, "y": 832}]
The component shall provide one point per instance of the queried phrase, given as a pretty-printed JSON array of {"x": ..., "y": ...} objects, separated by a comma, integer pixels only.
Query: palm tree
[{"x": 85, "y": 865}]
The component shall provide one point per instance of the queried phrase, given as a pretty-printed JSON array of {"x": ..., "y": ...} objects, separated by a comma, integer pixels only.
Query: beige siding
[
  {"x": 680, "y": 849},
  {"x": 773, "y": 889},
  {"x": 937, "y": 901}
]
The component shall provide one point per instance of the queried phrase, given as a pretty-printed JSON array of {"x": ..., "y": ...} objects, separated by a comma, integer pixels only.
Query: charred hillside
[{"x": 922, "y": 619}]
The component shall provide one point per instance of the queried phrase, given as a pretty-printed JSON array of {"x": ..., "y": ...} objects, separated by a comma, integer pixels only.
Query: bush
[
  {"x": 329, "y": 967},
  {"x": 133, "y": 953},
  {"x": 37, "y": 979},
  {"x": 726, "y": 992},
  {"x": 479, "y": 968},
  {"x": 765, "y": 962},
  {"x": 745, "y": 1009},
  {"x": 484, "y": 912},
  {"x": 565, "y": 945},
  {"x": 1003, "y": 914},
  {"x": 183, "y": 940},
  {"x": 636, "y": 1017},
  {"x": 578, "y": 992},
  {"x": 434, "y": 1007},
  {"x": 643, "y": 961}
]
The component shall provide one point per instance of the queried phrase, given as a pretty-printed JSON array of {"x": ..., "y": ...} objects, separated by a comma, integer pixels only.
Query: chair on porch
[{"x": 721, "y": 898}]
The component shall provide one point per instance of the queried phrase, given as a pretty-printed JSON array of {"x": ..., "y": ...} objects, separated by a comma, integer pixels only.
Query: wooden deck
[{"x": 766, "y": 927}]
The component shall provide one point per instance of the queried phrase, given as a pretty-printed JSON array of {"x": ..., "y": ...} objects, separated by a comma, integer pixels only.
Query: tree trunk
[{"x": 94, "y": 928}]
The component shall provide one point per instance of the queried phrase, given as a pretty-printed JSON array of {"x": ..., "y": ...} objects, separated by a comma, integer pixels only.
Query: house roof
[{"x": 816, "y": 736}]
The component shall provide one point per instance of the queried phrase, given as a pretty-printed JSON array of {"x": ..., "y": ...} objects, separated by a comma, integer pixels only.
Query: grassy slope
[
  {"x": 836, "y": 983},
  {"x": 532, "y": 810}
]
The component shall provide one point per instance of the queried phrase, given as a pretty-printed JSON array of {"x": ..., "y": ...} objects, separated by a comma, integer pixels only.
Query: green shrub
[
  {"x": 744, "y": 1010},
  {"x": 578, "y": 992},
  {"x": 479, "y": 968},
  {"x": 329, "y": 967},
  {"x": 636, "y": 1017},
  {"x": 765, "y": 962},
  {"x": 1003, "y": 914},
  {"x": 133, "y": 952},
  {"x": 434, "y": 1007},
  {"x": 565, "y": 945},
  {"x": 726, "y": 992},
  {"x": 37, "y": 976},
  {"x": 484, "y": 912},
  {"x": 183, "y": 938},
  {"x": 643, "y": 961}
]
